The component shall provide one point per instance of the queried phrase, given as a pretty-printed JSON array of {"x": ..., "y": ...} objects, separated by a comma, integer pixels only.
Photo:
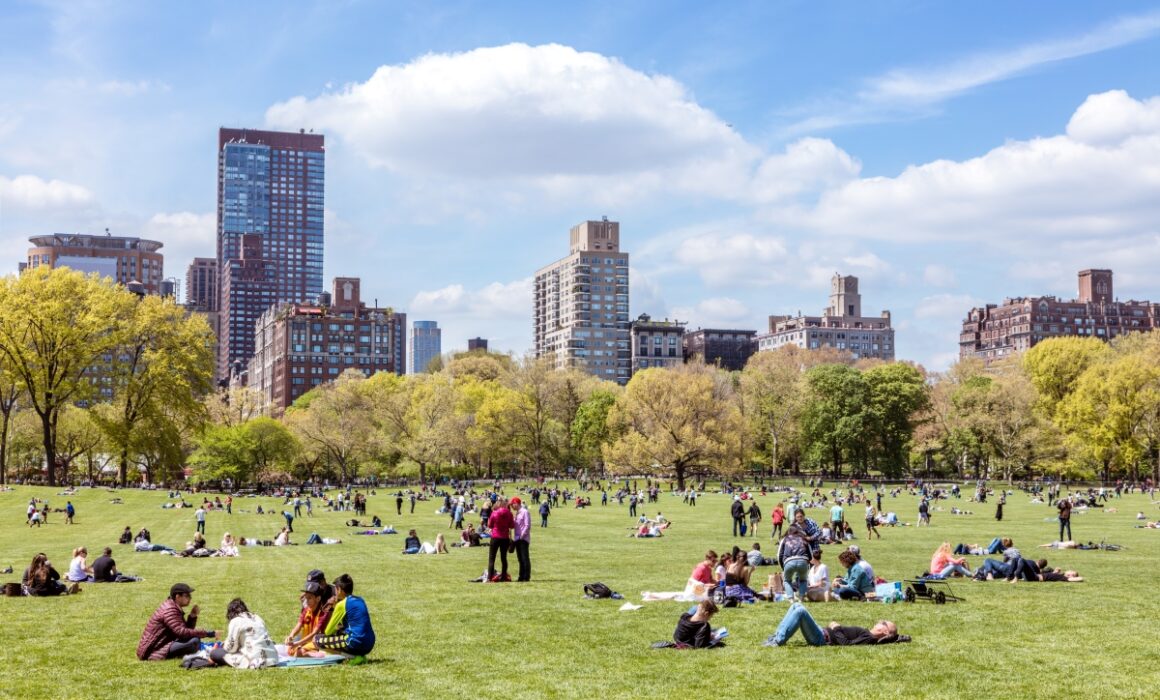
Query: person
[
  {"x": 501, "y": 522},
  {"x": 838, "y": 518},
  {"x": 809, "y": 529},
  {"x": 349, "y": 631},
  {"x": 754, "y": 518},
  {"x": 703, "y": 571},
  {"x": 818, "y": 582},
  {"x": 440, "y": 544},
  {"x": 69, "y": 512},
  {"x": 856, "y": 583},
  {"x": 1064, "y": 507},
  {"x": 126, "y": 536},
  {"x": 105, "y": 569},
  {"x": 999, "y": 505},
  {"x": 737, "y": 580},
  {"x": 41, "y": 579},
  {"x": 545, "y": 511},
  {"x": 943, "y": 564},
  {"x": 993, "y": 568},
  {"x": 835, "y": 634},
  {"x": 738, "y": 512},
  {"x": 871, "y": 521},
  {"x": 283, "y": 538},
  {"x": 247, "y": 643},
  {"x": 398, "y": 503},
  {"x": 412, "y": 545},
  {"x": 793, "y": 554},
  {"x": 923, "y": 513},
  {"x": 199, "y": 516},
  {"x": 312, "y": 619},
  {"x": 34, "y": 517},
  {"x": 522, "y": 540},
  {"x": 169, "y": 633},
  {"x": 79, "y": 570},
  {"x": 693, "y": 629},
  {"x": 778, "y": 520},
  {"x": 289, "y": 520},
  {"x": 457, "y": 515},
  {"x": 229, "y": 546},
  {"x": 755, "y": 556}
]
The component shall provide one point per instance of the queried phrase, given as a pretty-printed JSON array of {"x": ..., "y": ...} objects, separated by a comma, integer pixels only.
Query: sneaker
[{"x": 356, "y": 661}]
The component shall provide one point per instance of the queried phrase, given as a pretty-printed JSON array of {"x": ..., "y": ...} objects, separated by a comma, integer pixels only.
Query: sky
[{"x": 947, "y": 154}]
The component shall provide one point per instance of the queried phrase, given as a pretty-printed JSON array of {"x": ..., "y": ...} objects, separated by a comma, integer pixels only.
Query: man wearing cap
[
  {"x": 169, "y": 634},
  {"x": 316, "y": 612},
  {"x": 522, "y": 539},
  {"x": 738, "y": 512}
]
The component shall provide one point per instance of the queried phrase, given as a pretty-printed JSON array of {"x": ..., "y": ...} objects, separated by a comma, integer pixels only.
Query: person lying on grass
[
  {"x": 693, "y": 629},
  {"x": 1038, "y": 572},
  {"x": 835, "y": 634}
]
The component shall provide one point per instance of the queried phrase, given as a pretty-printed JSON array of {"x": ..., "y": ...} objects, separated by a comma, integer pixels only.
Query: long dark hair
[
  {"x": 38, "y": 570},
  {"x": 236, "y": 607}
]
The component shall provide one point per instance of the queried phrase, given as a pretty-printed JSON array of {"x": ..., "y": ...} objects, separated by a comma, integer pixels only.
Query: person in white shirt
[
  {"x": 78, "y": 570},
  {"x": 818, "y": 580}
]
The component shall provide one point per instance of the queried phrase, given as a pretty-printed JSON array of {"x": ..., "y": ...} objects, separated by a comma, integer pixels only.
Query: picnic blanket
[{"x": 318, "y": 659}]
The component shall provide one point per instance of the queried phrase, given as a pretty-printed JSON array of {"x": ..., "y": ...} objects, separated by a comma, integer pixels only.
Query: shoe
[{"x": 356, "y": 661}]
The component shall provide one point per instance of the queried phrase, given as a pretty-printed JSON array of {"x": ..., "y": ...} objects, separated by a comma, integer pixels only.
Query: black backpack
[{"x": 597, "y": 590}]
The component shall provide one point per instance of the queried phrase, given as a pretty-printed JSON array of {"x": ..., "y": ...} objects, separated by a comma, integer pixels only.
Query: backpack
[{"x": 597, "y": 590}]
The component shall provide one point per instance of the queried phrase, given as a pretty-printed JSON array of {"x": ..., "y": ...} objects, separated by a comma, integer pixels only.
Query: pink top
[
  {"x": 703, "y": 573},
  {"x": 501, "y": 523}
]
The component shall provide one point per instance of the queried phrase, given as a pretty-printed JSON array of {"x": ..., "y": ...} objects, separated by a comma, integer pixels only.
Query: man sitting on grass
[
  {"x": 797, "y": 617},
  {"x": 170, "y": 634},
  {"x": 349, "y": 631}
]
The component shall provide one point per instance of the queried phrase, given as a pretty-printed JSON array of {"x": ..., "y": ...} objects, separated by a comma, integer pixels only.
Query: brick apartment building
[
  {"x": 729, "y": 349},
  {"x": 841, "y": 326},
  {"x": 994, "y": 331}
]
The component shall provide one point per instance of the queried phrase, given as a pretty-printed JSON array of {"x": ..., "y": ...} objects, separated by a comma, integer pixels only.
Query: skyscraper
[
  {"x": 426, "y": 345},
  {"x": 270, "y": 230},
  {"x": 201, "y": 284},
  {"x": 581, "y": 304}
]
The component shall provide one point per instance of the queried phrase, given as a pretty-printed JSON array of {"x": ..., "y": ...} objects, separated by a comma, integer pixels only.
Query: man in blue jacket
[{"x": 349, "y": 631}]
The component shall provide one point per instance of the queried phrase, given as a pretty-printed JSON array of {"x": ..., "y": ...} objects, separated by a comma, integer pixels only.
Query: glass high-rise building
[
  {"x": 426, "y": 345},
  {"x": 271, "y": 187}
]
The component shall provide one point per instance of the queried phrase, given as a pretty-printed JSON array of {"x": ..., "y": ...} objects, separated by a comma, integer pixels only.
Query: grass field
[{"x": 440, "y": 636}]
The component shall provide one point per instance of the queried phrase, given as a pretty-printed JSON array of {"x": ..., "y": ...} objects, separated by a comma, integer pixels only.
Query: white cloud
[
  {"x": 1108, "y": 118},
  {"x": 939, "y": 276},
  {"x": 185, "y": 235},
  {"x": 716, "y": 312},
  {"x": 945, "y": 306},
  {"x": 902, "y": 93},
  {"x": 495, "y": 301},
  {"x": 28, "y": 192},
  {"x": 807, "y": 165},
  {"x": 734, "y": 259}
]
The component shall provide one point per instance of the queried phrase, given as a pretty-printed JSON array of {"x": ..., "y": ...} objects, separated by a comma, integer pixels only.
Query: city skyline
[{"x": 944, "y": 156}]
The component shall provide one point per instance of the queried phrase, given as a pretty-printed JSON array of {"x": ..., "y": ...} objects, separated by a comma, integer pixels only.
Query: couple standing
[{"x": 511, "y": 531}]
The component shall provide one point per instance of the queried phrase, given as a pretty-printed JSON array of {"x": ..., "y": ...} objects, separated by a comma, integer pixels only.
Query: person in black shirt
[
  {"x": 883, "y": 632},
  {"x": 104, "y": 568},
  {"x": 693, "y": 630}
]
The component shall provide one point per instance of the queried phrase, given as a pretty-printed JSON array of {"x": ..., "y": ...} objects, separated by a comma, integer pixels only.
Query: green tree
[
  {"x": 240, "y": 453},
  {"x": 161, "y": 370},
  {"x": 333, "y": 420},
  {"x": 835, "y": 424},
  {"x": 56, "y": 327},
  {"x": 671, "y": 421},
  {"x": 1054, "y": 366},
  {"x": 898, "y": 396},
  {"x": 773, "y": 390},
  {"x": 590, "y": 431}
]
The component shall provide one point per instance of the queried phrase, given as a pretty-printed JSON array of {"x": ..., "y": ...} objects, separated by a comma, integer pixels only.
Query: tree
[
  {"x": 897, "y": 395},
  {"x": 334, "y": 420},
  {"x": 416, "y": 416},
  {"x": 160, "y": 371},
  {"x": 234, "y": 406},
  {"x": 835, "y": 422},
  {"x": 11, "y": 391},
  {"x": 773, "y": 390},
  {"x": 1055, "y": 365},
  {"x": 590, "y": 431},
  {"x": 241, "y": 453},
  {"x": 56, "y": 327},
  {"x": 673, "y": 421}
]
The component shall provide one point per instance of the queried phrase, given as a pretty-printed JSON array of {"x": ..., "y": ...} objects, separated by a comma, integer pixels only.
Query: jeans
[
  {"x": 995, "y": 547},
  {"x": 995, "y": 568},
  {"x": 797, "y": 617},
  {"x": 543, "y": 521},
  {"x": 738, "y": 524},
  {"x": 951, "y": 569},
  {"x": 523, "y": 557},
  {"x": 201, "y": 526},
  {"x": 1025, "y": 569},
  {"x": 1064, "y": 523},
  {"x": 500, "y": 545},
  {"x": 797, "y": 571},
  {"x": 849, "y": 593}
]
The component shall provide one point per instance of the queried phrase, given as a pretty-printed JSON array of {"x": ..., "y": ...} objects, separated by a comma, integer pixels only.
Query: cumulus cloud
[
  {"x": 945, "y": 306},
  {"x": 806, "y": 165},
  {"x": 497, "y": 300},
  {"x": 31, "y": 193},
  {"x": 185, "y": 235},
  {"x": 715, "y": 312},
  {"x": 1108, "y": 118},
  {"x": 734, "y": 259},
  {"x": 1020, "y": 193}
]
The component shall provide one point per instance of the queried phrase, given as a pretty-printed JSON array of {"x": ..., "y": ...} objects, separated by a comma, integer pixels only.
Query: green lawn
[{"x": 440, "y": 636}]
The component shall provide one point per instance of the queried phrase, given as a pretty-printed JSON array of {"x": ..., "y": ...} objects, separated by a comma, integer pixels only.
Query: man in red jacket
[
  {"x": 169, "y": 634},
  {"x": 501, "y": 523}
]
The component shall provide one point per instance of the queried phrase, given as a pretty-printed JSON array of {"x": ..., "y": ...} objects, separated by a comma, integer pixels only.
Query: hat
[
  {"x": 316, "y": 576},
  {"x": 516, "y": 501},
  {"x": 854, "y": 549},
  {"x": 737, "y": 498},
  {"x": 312, "y": 587},
  {"x": 179, "y": 588}
]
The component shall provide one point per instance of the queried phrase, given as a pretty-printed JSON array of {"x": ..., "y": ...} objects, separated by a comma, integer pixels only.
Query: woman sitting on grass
[
  {"x": 737, "y": 580},
  {"x": 229, "y": 546},
  {"x": 412, "y": 545},
  {"x": 818, "y": 580},
  {"x": 247, "y": 643},
  {"x": 312, "y": 620},
  {"x": 79, "y": 570},
  {"x": 283, "y": 537},
  {"x": 693, "y": 630},
  {"x": 943, "y": 564},
  {"x": 41, "y": 579},
  {"x": 856, "y": 584}
]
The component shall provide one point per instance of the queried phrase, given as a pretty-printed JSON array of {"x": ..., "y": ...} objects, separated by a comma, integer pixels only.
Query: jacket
[
  {"x": 792, "y": 547},
  {"x": 248, "y": 644},
  {"x": 167, "y": 625}
]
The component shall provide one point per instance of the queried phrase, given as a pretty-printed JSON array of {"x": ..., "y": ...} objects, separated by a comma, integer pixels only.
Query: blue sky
[{"x": 945, "y": 153}]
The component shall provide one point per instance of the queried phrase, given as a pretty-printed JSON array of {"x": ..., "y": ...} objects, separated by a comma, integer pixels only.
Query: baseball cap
[
  {"x": 854, "y": 549},
  {"x": 178, "y": 588},
  {"x": 312, "y": 587},
  {"x": 516, "y": 501},
  {"x": 316, "y": 576}
]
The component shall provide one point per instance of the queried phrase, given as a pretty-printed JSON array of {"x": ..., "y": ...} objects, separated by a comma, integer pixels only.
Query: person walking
[
  {"x": 69, "y": 512},
  {"x": 872, "y": 522},
  {"x": 545, "y": 511},
  {"x": 754, "y": 518},
  {"x": 522, "y": 539},
  {"x": 199, "y": 516},
  {"x": 632, "y": 505},
  {"x": 999, "y": 505},
  {"x": 399, "y": 503},
  {"x": 1064, "y": 507},
  {"x": 738, "y": 512},
  {"x": 778, "y": 522}
]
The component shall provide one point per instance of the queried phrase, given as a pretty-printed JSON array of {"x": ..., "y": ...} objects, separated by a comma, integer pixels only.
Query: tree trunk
[
  {"x": 7, "y": 415},
  {"x": 124, "y": 475},
  {"x": 49, "y": 447}
]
